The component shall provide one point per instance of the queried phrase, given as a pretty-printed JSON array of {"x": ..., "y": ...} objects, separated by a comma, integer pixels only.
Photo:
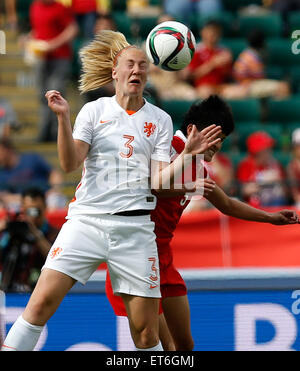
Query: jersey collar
[{"x": 179, "y": 141}]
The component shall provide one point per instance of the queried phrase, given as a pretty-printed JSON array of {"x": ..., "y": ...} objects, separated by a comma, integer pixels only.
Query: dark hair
[
  {"x": 34, "y": 193},
  {"x": 256, "y": 39},
  {"x": 212, "y": 110},
  {"x": 7, "y": 144},
  {"x": 213, "y": 23},
  {"x": 107, "y": 16}
]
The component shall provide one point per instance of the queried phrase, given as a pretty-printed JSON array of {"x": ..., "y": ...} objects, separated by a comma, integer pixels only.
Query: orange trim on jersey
[
  {"x": 130, "y": 112},
  {"x": 79, "y": 185}
]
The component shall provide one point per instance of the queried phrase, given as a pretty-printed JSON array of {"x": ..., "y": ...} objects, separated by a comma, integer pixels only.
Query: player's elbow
[{"x": 68, "y": 167}]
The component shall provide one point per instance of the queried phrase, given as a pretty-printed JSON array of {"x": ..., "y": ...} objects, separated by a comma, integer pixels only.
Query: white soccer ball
[{"x": 170, "y": 46}]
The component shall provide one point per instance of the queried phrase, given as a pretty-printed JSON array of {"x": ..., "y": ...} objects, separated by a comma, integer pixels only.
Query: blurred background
[{"x": 241, "y": 276}]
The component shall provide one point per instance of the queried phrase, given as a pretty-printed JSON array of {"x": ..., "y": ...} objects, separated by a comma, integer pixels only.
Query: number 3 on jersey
[{"x": 128, "y": 146}]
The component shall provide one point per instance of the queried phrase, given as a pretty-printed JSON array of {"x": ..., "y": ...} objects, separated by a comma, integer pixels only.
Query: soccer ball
[{"x": 170, "y": 46}]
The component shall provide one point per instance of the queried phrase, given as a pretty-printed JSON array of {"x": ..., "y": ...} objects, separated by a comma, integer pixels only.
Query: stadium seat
[
  {"x": 243, "y": 133},
  {"x": 145, "y": 25},
  {"x": 156, "y": 2},
  {"x": 228, "y": 143},
  {"x": 176, "y": 125},
  {"x": 226, "y": 19},
  {"x": 293, "y": 21},
  {"x": 22, "y": 8},
  {"x": 270, "y": 24},
  {"x": 234, "y": 5},
  {"x": 283, "y": 157},
  {"x": 236, "y": 158},
  {"x": 280, "y": 52},
  {"x": 118, "y": 5},
  {"x": 284, "y": 110},
  {"x": 176, "y": 108},
  {"x": 294, "y": 75},
  {"x": 245, "y": 109},
  {"x": 123, "y": 23},
  {"x": 275, "y": 72},
  {"x": 291, "y": 126},
  {"x": 235, "y": 45},
  {"x": 77, "y": 44}
]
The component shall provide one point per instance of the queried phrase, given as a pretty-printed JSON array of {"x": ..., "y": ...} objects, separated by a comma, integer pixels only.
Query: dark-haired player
[{"x": 176, "y": 318}]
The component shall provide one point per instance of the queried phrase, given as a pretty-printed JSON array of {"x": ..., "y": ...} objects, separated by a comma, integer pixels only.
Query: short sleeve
[
  {"x": 83, "y": 128},
  {"x": 65, "y": 15},
  {"x": 164, "y": 139}
]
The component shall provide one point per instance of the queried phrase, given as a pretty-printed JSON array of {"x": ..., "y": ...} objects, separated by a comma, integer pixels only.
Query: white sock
[
  {"x": 157, "y": 348},
  {"x": 22, "y": 336}
]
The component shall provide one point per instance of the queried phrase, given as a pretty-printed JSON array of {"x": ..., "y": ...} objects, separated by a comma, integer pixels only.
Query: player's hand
[
  {"x": 285, "y": 217},
  {"x": 200, "y": 141},
  {"x": 57, "y": 103},
  {"x": 205, "y": 186}
]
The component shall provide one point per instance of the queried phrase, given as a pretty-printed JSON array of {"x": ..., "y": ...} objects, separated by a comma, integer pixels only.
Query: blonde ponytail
[{"x": 98, "y": 59}]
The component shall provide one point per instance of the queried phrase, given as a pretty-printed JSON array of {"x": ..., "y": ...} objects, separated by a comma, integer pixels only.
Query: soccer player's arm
[
  {"x": 164, "y": 174},
  {"x": 238, "y": 209},
  {"x": 71, "y": 152},
  {"x": 72, "y": 147}
]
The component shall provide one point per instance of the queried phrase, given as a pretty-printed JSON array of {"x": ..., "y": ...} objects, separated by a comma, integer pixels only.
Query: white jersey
[{"x": 116, "y": 170}]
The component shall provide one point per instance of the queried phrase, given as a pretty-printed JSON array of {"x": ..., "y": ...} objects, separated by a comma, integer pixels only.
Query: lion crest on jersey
[{"x": 149, "y": 128}]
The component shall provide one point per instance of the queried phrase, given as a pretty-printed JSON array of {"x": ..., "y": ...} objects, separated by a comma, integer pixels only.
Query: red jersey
[
  {"x": 48, "y": 21},
  {"x": 203, "y": 55},
  {"x": 84, "y": 6},
  {"x": 166, "y": 217}
]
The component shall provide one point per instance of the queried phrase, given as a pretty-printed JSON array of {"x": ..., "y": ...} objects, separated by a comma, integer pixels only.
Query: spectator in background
[
  {"x": 103, "y": 22},
  {"x": 19, "y": 171},
  {"x": 8, "y": 118},
  {"x": 11, "y": 14},
  {"x": 249, "y": 73},
  {"x": 86, "y": 15},
  {"x": 25, "y": 243},
  {"x": 208, "y": 7},
  {"x": 293, "y": 169},
  {"x": 260, "y": 174},
  {"x": 183, "y": 10},
  {"x": 179, "y": 9},
  {"x": 54, "y": 25},
  {"x": 222, "y": 172},
  {"x": 55, "y": 199},
  {"x": 211, "y": 66}
]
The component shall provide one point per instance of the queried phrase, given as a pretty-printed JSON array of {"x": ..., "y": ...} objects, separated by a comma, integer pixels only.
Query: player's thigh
[
  {"x": 133, "y": 260},
  {"x": 177, "y": 314},
  {"x": 142, "y": 312},
  {"x": 78, "y": 249},
  {"x": 50, "y": 290}
]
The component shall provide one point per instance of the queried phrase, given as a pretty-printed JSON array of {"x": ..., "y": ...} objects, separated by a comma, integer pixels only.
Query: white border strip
[{"x": 224, "y": 273}]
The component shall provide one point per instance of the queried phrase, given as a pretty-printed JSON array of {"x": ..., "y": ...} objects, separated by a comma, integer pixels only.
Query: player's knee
[
  {"x": 146, "y": 338},
  {"x": 38, "y": 312}
]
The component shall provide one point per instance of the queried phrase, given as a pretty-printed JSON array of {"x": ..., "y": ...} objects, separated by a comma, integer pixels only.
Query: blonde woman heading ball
[{"x": 109, "y": 221}]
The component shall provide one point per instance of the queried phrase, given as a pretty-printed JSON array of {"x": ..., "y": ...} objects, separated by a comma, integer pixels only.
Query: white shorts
[{"x": 126, "y": 243}]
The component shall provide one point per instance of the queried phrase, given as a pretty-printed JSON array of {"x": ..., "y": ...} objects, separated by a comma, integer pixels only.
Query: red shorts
[{"x": 171, "y": 283}]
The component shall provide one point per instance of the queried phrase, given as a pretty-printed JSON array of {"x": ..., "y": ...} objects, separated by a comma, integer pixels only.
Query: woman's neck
[{"x": 130, "y": 103}]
